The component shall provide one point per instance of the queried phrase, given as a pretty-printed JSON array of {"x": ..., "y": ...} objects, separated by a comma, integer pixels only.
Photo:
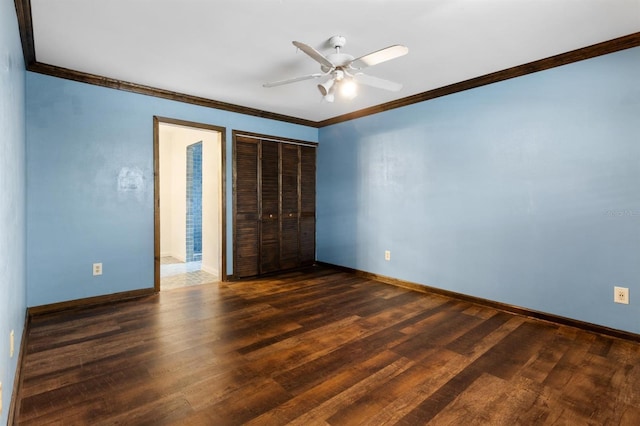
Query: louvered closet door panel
[
  {"x": 270, "y": 244},
  {"x": 247, "y": 227},
  {"x": 307, "y": 205},
  {"x": 289, "y": 233}
]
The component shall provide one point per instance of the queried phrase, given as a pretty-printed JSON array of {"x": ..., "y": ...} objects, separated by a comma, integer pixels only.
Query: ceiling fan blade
[
  {"x": 292, "y": 80},
  {"x": 313, "y": 53},
  {"x": 380, "y": 56},
  {"x": 380, "y": 83}
]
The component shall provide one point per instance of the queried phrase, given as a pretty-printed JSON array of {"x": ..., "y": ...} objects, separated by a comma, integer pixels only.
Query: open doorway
[{"x": 189, "y": 209}]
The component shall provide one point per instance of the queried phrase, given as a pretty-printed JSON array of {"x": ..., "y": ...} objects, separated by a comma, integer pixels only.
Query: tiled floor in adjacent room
[{"x": 176, "y": 274}]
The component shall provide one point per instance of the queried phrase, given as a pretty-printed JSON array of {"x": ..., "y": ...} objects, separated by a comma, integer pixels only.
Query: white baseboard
[{"x": 210, "y": 270}]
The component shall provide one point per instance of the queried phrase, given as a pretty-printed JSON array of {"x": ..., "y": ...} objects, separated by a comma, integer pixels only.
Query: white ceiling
[{"x": 225, "y": 50}]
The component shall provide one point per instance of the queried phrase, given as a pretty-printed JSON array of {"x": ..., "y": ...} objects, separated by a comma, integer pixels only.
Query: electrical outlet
[
  {"x": 97, "y": 269},
  {"x": 11, "y": 347},
  {"x": 621, "y": 295},
  {"x": 387, "y": 255}
]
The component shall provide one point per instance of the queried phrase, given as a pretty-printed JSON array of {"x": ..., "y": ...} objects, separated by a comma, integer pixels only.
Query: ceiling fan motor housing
[{"x": 339, "y": 60}]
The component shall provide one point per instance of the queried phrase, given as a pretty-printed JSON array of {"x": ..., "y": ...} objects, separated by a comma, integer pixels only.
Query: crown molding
[
  {"x": 160, "y": 93},
  {"x": 23, "y": 10},
  {"x": 599, "y": 49},
  {"x": 25, "y": 26}
]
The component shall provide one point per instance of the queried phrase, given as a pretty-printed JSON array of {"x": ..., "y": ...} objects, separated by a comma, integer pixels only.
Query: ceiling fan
[{"x": 344, "y": 70}]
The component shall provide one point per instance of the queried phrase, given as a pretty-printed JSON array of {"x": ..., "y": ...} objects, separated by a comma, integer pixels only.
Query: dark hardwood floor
[{"x": 321, "y": 347}]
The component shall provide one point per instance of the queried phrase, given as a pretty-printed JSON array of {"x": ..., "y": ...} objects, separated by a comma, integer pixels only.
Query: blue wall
[
  {"x": 90, "y": 184},
  {"x": 525, "y": 192},
  {"x": 12, "y": 197}
]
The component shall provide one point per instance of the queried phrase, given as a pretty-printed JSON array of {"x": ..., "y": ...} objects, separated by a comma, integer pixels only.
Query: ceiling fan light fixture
[
  {"x": 348, "y": 89},
  {"x": 325, "y": 87}
]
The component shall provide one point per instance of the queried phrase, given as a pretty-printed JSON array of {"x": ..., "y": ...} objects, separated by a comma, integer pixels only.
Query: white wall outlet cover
[
  {"x": 621, "y": 295},
  {"x": 97, "y": 269}
]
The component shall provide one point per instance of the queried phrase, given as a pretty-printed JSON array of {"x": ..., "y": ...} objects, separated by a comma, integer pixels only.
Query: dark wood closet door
[
  {"x": 247, "y": 229},
  {"x": 307, "y": 205},
  {"x": 274, "y": 204},
  {"x": 270, "y": 244},
  {"x": 290, "y": 194}
]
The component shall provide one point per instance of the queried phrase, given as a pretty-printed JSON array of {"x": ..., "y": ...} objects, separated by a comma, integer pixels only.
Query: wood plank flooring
[{"x": 320, "y": 347}]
